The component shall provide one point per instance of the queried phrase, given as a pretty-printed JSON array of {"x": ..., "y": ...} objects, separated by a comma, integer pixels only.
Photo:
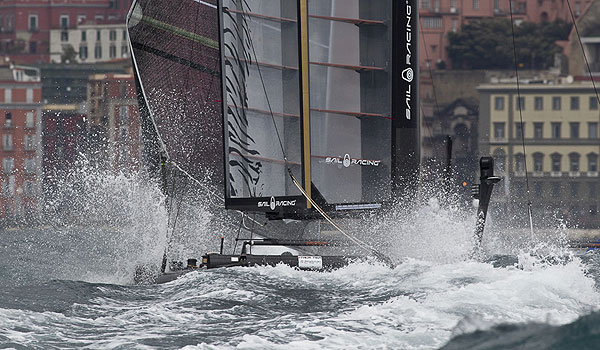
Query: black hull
[{"x": 212, "y": 261}]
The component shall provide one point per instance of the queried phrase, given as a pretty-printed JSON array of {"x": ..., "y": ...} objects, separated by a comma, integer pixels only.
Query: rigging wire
[
  {"x": 529, "y": 203},
  {"x": 587, "y": 63},
  {"x": 268, "y": 102}
]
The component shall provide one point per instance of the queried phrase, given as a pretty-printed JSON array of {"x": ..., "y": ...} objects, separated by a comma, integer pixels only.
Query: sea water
[{"x": 70, "y": 285}]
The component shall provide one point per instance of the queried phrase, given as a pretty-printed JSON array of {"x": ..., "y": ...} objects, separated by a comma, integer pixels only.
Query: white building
[{"x": 92, "y": 42}]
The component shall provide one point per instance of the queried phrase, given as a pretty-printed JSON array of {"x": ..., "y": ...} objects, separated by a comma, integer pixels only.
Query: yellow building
[{"x": 560, "y": 125}]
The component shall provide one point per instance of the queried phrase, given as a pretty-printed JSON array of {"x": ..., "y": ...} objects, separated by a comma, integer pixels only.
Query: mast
[
  {"x": 305, "y": 96},
  {"x": 406, "y": 117}
]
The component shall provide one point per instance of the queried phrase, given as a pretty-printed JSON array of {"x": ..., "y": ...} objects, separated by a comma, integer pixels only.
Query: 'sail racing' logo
[
  {"x": 273, "y": 203},
  {"x": 408, "y": 74},
  {"x": 347, "y": 161}
]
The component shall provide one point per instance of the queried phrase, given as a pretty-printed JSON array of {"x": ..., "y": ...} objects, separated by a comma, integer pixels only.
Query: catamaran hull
[{"x": 309, "y": 262}]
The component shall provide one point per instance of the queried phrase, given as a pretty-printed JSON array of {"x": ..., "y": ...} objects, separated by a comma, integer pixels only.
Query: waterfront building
[
  {"x": 560, "y": 128},
  {"x": 64, "y": 142},
  {"x": 91, "y": 41},
  {"x": 20, "y": 129},
  {"x": 26, "y": 25},
  {"x": 113, "y": 121}
]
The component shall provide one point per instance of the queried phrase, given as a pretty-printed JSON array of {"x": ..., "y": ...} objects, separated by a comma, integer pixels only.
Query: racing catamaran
[{"x": 308, "y": 109}]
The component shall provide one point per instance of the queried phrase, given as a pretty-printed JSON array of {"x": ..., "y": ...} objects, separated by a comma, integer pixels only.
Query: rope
[
  {"x": 587, "y": 63},
  {"x": 268, "y": 101},
  {"x": 512, "y": 27},
  {"x": 355, "y": 240}
]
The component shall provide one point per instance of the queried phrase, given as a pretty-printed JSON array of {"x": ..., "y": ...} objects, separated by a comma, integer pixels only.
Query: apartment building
[
  {"x": 113, "y": 121},
  {"x": 26, "y": 25},
  {"x": 90, "y": 42},
  {"x": 560, "y": 133},
  {"x": 20, "y": 129}
]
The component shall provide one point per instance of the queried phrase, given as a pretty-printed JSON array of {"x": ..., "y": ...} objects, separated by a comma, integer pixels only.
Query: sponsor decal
[
  {"x": 348, "y": 161},
  {"x": 408, "y": 73},
  {"x": 273, "y": 203},
  {"x": 310, "y": 262}
]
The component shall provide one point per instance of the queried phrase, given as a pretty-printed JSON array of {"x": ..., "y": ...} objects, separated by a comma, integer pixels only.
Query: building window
[
  {"x": 519, "y": 128},
  {"x": 83, "y": 52},
  {"x": 593, "y": 130},
  {"x": 8, "y": 165},
  {"x": 123, "y": 115},
  {"x": 64, "y": 21},
  {"x": 538, "y": 162},
  {"x": 29, "y": 95},
  {"x": 574, "y": 103},
  {"x": 556, "y": 103},
  {"x": 574, "y": 162},
  {"x": 83, "y": 35},
  {"x": 81, "y": 18},
  {"x": 124, "y": 35},
  {"x": 112, "y": 51},
  {"x": 538, "y": 103},
  {"x": 124, "y": 50},
  {"x": 99, "y": 17},
  {"x": 555, "y": 162},
  {"x": 500, "y": 159},
  {"x": 454, "y": 25},
  {"x": 124, "y": 88},
  {"x": 29, "y": 165},
  {"x": 33, "y": 23},
  {"x": 432, "y": 22},
  {"x": 425, "y": 4},
  {"x": 28, "y": 188},
  {"x": 112, "y": 35},
  {"x": 574, "y": 189},
  {"x": 574, "y": 130},
  {"x": 29, "y": 120},
  {"x": 98, "y": 51},
  {"x": 475, "y": 4},
  {"x": 7, "y": 95},
  {"x": 593, "y": 103},
  {"x": 538, "y": 189},
  {"x": 555, "y": 130},
  {"x": 29, "y": 142},
  {"x": 499, "y": 103},
  {"x": 499, "y": 131},
  {"x": 538, "y": 130},
  {"x": 7, "y": 142},
  {"x": 519, "y": 163},
  {"x": 520, "y": 103},
  {"x": 33, "y": 47},
  {"x": 592, "y": 162},
  {"x": 98, "y": 35},
  {"x": 8, "y": 120},
  {"x": 64, "y": 35},
  {"x": 555, "y": 190}
]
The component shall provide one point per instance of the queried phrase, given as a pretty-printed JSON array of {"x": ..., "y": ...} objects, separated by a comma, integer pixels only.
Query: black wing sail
[
  {"x": 177, "y": 65},
  {"x": 261, "y": 105},
  {"x": 336, "y": 86}
]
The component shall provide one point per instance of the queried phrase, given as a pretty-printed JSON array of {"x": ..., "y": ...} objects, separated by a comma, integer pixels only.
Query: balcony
[
  {"x": 35, "y": 29},
  {"x": 574, "y": 174},
  {"x": 592, "y": 174},
  {"x": 556, "y": 174},
  {"x": 538, "y": 174}
]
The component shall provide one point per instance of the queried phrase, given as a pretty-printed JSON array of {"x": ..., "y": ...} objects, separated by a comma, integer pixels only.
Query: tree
[
  {"x": 488, "y": 44},
  {"x": 69, "y": 54}
]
